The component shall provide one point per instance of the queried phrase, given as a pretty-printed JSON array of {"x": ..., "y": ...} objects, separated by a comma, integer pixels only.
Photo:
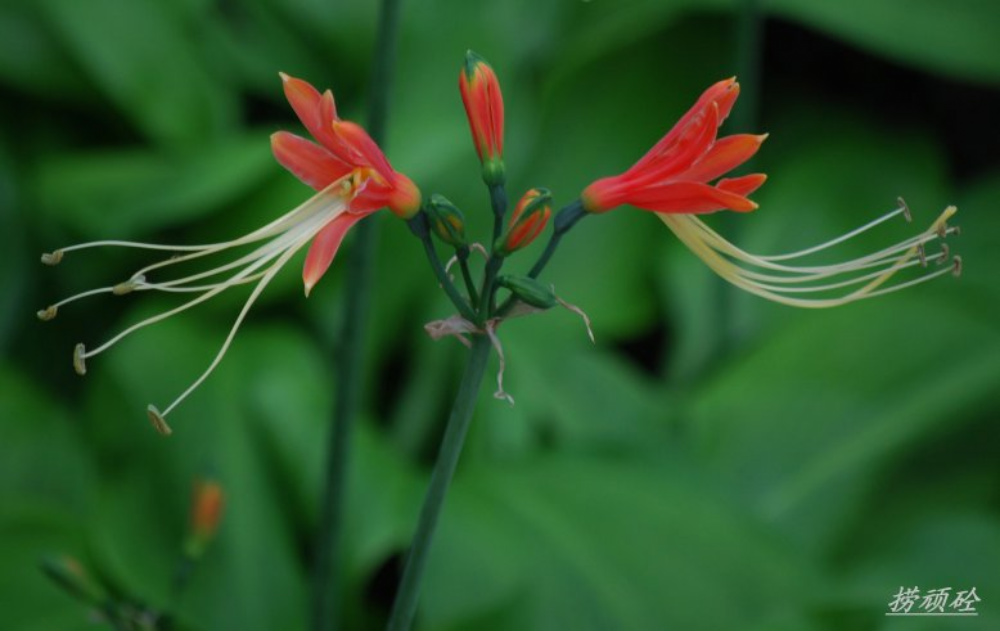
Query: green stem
[
  {"x": 418, "y": 226},
  {"x": 498, "y": 201},
  {"x": 325, "y": 585},
  {"x": 493, "y": 265},
  {"x": 463, "y": 261},
  {"x": 405, "y": 605}
]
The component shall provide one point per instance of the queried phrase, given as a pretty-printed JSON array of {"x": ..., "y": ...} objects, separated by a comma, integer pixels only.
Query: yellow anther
[
  {"x": 52, "y": 258},
  {"x": 79, "y": 359},
  {"x": 159, "y": 423},
  {"x": 48, "y": 313}
]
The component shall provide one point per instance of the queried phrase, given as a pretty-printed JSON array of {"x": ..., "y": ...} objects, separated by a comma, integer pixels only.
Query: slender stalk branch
[
  {"x": 419, "y": 227},
  {"x": 463, "y": 261},
  {"x": 498, "y": 201},
  {"x": 405, "y": 605},
  {"x": 565, "y": 219},
  {"x": 325, "y": 587}
]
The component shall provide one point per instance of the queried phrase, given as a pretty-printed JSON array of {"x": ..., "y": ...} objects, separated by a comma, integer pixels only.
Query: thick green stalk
[
  {"x": 326, "y": 610},
  {"x": 405, "y": 605}
]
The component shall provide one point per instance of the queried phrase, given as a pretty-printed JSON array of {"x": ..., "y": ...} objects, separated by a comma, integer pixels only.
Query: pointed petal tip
[
  {"x": 308, "y": 288},
  {"x": 284, "y": 77}
]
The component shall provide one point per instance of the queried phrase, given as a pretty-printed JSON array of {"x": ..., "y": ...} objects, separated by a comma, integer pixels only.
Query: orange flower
[
  {"x": 484, "y": 106},
  {"x": 529, "y": 218},
  {"x": 343, "y": 147},
  {"x": 206, "y": 513},
  {"x": 673, "y": 176}
]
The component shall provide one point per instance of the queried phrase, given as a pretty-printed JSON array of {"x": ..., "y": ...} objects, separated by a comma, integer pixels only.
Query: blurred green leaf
[
  {"x": 32, "y": 57},
  {"x": 142, "y": 56},
  {"x": 960, "y": 38},
  {"x": 581, "y": 543},
  {"x": 124, "y": 192},
  {"x": 46, "y": 482}
]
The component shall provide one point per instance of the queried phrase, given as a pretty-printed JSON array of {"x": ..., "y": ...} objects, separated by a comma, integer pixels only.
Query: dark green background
[{"x": 715, "y": 462}]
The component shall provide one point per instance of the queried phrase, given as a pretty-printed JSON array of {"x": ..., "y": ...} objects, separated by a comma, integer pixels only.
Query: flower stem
[
  {"x": 326, "y": 609},
  {"x": 565, "y": 219},
  {"x": 498, "y": 201},
  {"x": 463, "y": 261},
  {"x": 418, "y": 226},
  {"x": 405, "y": 605}
]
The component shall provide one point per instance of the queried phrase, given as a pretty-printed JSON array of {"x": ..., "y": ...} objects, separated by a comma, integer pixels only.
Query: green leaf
[
  {"x": 960, "y": 38},
  {"x": 124, "y": 192},
  {"x": 588, "y": 544},
  {"x": 141, "y": 56}
]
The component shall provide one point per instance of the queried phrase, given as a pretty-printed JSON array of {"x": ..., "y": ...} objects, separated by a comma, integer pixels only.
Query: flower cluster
[{"x": 680, "y": 178}]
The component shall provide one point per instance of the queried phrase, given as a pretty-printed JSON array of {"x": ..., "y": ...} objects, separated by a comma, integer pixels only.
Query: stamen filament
[
  {"x": 723, "y": 257},
  {"x": 287, "y": 254}
]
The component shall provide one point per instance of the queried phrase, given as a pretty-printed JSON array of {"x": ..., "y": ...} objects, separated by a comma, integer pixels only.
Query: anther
[
  {"x": 159, "y": 423},
  {"x": 945, "y": 253},
  {"x": 906, "y": 209},
  {"x": 128, "y": 286},
  {"x": 48, "y": 313},
  {"x": 922, "y": 254},
  {"x": 79, "y": 359},
  {"x": 956, "y": 230},
  {"x": 52, "y": 258},
  {"x": 956, "y": 270}
]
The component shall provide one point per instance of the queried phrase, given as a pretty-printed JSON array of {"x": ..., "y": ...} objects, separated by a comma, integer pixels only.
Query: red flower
[
  {"x": 483, "y": 102},
  {"x": 673, "y": 176},
  {"x": 529, "y": 218},
  {"x": 343, "y": 147}
]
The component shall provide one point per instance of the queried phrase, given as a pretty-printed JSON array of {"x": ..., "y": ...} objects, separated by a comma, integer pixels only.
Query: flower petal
[
  {"x": 724, "y": 156},
  {"x": 742, "y": 185},
  {"x": 689, "y": 197},
  {"x": 723, "y": 93},
  {"x": 324, "y": 248},
  {"x": 358, "y": 148},
  {"x": 308, "y": 161},
  {"x": 316, "y": 111},
  {"x": 691, "y": 144}
]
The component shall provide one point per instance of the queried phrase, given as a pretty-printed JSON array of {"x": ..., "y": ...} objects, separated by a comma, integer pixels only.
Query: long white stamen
[
  {"x": 902, "y": 210},
  {"x": 236, "y": 325},
  {"x": 725, "y": 259},
  {"x": 313, "y": 204}
]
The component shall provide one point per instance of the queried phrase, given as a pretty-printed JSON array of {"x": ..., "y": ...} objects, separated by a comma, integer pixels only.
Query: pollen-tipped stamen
[
  {"x": 720, "y": 255},
  {"x": 236, "y": 325},
  {"x": 80, "y": 359}
]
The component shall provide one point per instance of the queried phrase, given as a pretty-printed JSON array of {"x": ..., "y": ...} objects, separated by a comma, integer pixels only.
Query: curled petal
[
  {"x": 742, "y": 185},
  {"x": 357, "y": 147},
  {"x": 724, "y": 156},
  {"x": 723, "y": 94},
  {"x": 308, "y": 161},
  {"x": 316, "y": 111},
  {"x": 693, "y": 142},
  {"x": 689, "y": 197},
  {"x": 324, "y": 248}
]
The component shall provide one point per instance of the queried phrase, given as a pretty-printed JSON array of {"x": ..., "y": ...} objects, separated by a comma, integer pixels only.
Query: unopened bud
[
  {"x": 69, "y": 573},
  {"x": 483, "y": 102},
  {"x": 529, "y": 291},
  {"x": 206, "y": 513},
  {"x": 529, "y": 218},
  {"x": 446, "y": 221}
]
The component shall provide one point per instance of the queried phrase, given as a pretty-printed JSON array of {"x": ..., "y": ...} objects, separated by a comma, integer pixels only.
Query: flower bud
[
  {"x": 483, "y": 102},
  {"x": 70, "y": 574},
  {"x": 446, "y": 221},
  {"x": 526, "y": 222},
  {"x": 206, "y": 513},
  {"x": 529, "y": 291}
]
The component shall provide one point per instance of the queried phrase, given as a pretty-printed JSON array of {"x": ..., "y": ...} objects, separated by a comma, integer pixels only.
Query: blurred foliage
[{"x": 715, "y": 462}]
